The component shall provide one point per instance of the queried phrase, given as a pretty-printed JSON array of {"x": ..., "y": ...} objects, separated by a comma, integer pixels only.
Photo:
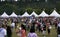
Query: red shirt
[{"x": 23, "y": 33}]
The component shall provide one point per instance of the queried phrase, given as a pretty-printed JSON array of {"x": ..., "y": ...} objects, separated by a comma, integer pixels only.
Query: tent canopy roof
[
  {"x": 54, "y": 13},
  {"x": 13, "y": 15},
  {"x": 43, "y": 14},
  {"x": 25, "y": 15},
  {"x": 33, "y": 13},
  {"x": 4, "y": 15}
]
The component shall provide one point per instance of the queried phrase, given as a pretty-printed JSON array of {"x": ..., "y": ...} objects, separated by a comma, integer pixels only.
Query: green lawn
[{"x": 53, "y": 33}]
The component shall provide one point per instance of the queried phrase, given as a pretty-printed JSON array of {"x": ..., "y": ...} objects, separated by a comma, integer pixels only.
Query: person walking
[
  {"x": 44, "y": 30},
  {"x": 58, "y": 29},
  {"x": 32, "y": 33},
  {"x": 3, "y": 31},
  {"x": 23, "y": 31},
  {"x": 49, "y": 27},
  {"x": 9, "y": 31}
]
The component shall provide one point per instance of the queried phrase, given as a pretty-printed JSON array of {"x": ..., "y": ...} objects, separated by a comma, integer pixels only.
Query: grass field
[{"x": 53, "y": 33}]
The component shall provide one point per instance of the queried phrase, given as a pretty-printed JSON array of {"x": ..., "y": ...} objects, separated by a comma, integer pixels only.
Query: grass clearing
[{"x": 53, "y": 33}]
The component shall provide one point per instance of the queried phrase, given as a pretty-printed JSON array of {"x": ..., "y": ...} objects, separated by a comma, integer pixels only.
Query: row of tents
[
  {"x": 8, "y": 0},
  {"x": 43, "y": 14}
]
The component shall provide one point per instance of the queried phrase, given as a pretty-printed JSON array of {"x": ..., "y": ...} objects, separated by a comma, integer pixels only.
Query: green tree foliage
[{"x": 38, "y": 6}]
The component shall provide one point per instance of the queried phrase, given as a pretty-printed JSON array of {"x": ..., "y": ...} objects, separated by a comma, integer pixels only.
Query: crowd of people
[{"x": 30, "y": 24}]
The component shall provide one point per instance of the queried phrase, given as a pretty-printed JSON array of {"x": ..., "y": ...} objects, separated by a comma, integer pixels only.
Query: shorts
[
  {"x": 48, "y": 31},
  {"x": 58, "y": 35},
  {"x": 44, "y": 32}
]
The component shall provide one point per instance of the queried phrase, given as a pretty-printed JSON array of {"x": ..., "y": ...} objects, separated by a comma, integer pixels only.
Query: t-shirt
[
  {"x": 58, "y": 35},
  {"x": 32, "y": 35},
  {"x": 44, "y": 27},
  {"x": 23, "y": 33},
  {"x": 13, "y": 25},
  {"x": 59, "y": 25},
  {"x": 3, "y": 32}
]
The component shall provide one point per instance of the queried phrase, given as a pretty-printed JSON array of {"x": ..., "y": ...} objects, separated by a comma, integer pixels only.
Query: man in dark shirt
[{"x": 9, "y": 31}]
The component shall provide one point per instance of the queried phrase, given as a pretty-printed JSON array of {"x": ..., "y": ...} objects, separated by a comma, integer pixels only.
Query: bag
[
  {"x": 50, "y": 27},
  {"x": 18, "y": 34}
]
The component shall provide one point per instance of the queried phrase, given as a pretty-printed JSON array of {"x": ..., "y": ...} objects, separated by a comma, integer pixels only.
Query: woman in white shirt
[
  {"x": 32, "y": 33},
  {"x": 3, "y": 31}
]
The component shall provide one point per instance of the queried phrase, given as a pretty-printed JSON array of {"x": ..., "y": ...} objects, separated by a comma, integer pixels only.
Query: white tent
[
  {"x": 33, "y": 13},
  {"x": 15, "y": 0},
  {"x": 25, "y": 15},
  {"x": 55, "y": 14},
  {"x": 4, "y": 15},
  {"x": 13, "y": 15},
  {"x": 43, "y": 14},
  {"x": 2, "y": 0},
  {"x": 19, "y": 15}
]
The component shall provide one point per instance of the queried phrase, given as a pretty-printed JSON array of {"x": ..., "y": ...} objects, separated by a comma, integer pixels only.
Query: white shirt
[
  {"x": 58, "y": 35},
  {"x": 13, "y": 24},
  {"x": 32, "y": 35},
  {"x": 3, "y": 32},
  {"x": 59, "y": 25},
  {"x": 20, "y": 28}
]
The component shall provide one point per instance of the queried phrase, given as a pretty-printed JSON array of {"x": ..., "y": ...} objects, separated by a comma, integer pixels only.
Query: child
[{"x": 23, "y": 31}]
